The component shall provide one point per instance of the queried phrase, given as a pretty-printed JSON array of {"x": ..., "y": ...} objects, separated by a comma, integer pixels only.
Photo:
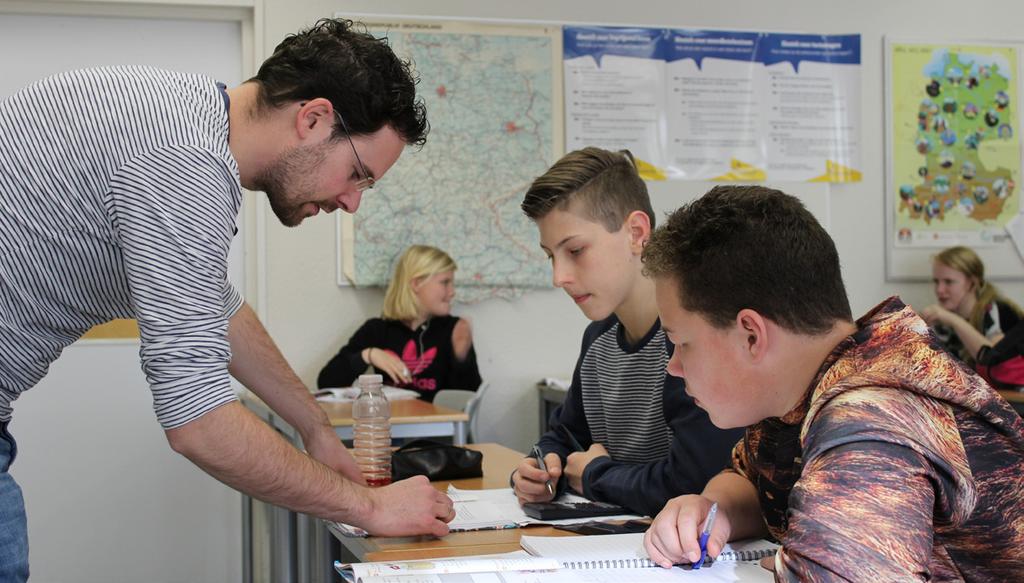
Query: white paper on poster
[
  {"x": 716, "y": 118},
  {"x": 812, "y": 116},
  {"x": 619, "y": 103}
]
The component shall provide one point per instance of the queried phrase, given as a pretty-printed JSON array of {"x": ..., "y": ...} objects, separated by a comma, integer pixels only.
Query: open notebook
[
  {"x": 567, "y": 566},
  {"x": 625, "y": 551},
  {"x": 498, "y": 508},
  {"x": 456, "y": 570}
]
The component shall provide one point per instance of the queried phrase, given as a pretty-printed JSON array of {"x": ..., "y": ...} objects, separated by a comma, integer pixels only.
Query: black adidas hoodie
[{"x": 426, "y": 351}]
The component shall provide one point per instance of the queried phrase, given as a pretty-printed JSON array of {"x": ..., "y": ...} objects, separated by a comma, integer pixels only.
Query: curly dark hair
[
  {"x": 743, "y": 246},
  {"x": 360, "y": 75}
]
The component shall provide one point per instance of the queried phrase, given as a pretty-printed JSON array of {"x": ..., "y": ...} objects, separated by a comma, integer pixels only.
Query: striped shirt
[
  {"x": 660, "y": 444},
  {"x": 118, "y": 199},
  {"x": 621, "y": 388}
]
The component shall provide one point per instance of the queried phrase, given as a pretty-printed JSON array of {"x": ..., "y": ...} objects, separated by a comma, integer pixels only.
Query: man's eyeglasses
[{"x": 367, "y": 181}]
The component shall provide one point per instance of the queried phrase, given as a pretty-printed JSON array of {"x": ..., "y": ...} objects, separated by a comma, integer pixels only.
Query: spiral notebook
[
  {"x": 522, "y": 568},
  {"x": 625, "y": 551}
]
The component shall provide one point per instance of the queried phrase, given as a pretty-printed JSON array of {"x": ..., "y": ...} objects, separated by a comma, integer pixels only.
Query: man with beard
[{"x": 119, "y": 191}]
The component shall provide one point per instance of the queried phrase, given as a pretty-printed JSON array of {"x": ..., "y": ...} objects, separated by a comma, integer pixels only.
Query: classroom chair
[{"x": 462, "y": 400}]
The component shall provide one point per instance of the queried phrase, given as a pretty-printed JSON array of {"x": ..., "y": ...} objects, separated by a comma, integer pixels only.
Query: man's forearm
[
  {"x": 258, "y": 364},
  {"x": 235, "y": 447},
  {"x": 738, "y": 497}
]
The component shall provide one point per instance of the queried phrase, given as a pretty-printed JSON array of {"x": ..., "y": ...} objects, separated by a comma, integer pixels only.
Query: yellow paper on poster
[
  {"x": 741, "y": 172},
  {"x": 649, "y": 171}
]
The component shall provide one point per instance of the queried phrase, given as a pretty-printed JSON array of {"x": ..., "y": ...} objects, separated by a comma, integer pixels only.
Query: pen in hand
[
  {"x": 537, "y": 453},
  {"x": 708, "y": 524},
  {"x": 570, "y": 437}
]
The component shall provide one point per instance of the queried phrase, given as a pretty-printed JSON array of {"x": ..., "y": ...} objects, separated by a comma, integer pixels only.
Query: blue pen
[{"x": 708, "y": 524}]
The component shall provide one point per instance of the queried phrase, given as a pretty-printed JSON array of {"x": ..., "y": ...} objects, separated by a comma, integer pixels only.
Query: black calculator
[{"x": 560, "y": 510}]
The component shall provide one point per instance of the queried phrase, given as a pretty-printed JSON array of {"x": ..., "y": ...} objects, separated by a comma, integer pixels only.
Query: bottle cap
[{"x": 370, "y": 378}]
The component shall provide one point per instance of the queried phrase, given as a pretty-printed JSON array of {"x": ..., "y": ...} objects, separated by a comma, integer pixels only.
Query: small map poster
[{"x": 956, "y": 154}]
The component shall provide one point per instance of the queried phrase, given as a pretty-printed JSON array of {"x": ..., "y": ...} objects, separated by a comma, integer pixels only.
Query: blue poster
[{"x": 717, "y": 105}]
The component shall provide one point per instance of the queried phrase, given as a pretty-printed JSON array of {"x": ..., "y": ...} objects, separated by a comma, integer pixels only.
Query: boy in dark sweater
[{"x": 645, "y": 439}]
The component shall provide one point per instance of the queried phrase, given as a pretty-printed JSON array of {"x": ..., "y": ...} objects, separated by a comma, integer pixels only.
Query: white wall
[
  {"x": 107, "y": 499},
  {"x": 519, "y": 342}
]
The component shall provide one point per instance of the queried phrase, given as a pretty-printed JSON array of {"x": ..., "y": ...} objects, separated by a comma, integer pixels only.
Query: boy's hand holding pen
[
  {"x": 536, "y": 477},
  {"x": 539, "y": 456},
  {"x": 681, "y": 534}
]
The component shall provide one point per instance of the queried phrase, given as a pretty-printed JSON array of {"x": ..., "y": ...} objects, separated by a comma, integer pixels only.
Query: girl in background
[
  {"x": 972, "y": 316},
  {"x": 416, "y": 342}
]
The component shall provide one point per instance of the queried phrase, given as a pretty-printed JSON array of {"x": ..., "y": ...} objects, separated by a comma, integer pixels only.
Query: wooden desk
[
  {"x": 498, "y": 463},
  {"x": 409, "y": 418}
]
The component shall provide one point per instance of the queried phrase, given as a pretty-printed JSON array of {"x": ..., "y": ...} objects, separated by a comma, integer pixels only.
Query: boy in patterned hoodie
[{"x": 871, "y": 452}]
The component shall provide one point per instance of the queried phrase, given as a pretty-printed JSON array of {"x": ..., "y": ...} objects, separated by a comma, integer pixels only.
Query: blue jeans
[{"x": 13, "y": 524}]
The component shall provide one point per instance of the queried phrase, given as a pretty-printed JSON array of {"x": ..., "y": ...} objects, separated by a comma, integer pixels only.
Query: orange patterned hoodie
[{"x": 901, "y": 464}]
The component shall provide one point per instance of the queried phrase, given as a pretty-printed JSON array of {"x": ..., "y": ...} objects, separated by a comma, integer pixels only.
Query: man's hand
[
  {"x": 409, "y": 507},
  {"x": 325, "y": 447},
  {"x": 529, "y": 481},
  {"x": 674, "y": 536},
  {"x": 462, "y": 339},
  {"x": 577, "y": 462}
]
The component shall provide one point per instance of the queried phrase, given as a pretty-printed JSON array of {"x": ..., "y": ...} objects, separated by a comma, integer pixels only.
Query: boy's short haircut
[
  {"x": 743, "y": 246},
  {"x": 606, "y": 184}
]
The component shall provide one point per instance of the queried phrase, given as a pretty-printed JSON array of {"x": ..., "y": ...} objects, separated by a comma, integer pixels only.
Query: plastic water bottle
[{"x": 372, "y": 432}]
